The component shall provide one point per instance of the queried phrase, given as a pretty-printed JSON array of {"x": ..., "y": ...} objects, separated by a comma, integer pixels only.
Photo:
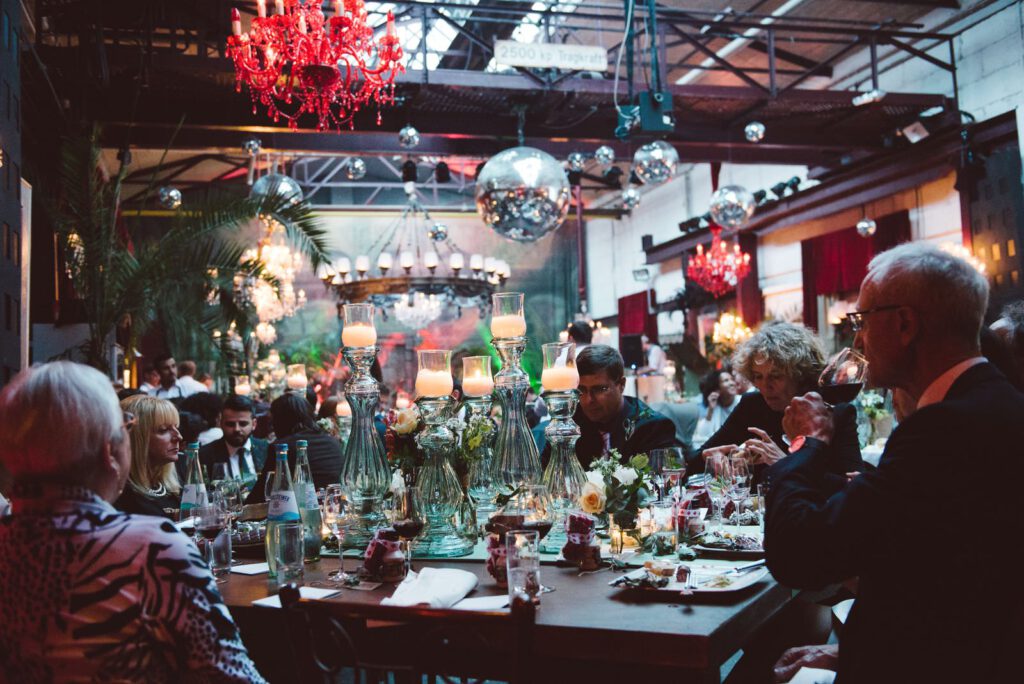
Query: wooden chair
[{"x": 405, "y": 644}]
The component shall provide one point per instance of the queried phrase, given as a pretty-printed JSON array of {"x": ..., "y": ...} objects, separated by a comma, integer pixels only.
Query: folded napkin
[
  {"x": 436, "y": 587},
  {"x": 251, "y": 569},
  {"x": 813, "y": 675}
]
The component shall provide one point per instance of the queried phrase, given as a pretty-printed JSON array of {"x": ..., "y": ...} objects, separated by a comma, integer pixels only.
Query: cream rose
[
  {"x": 625, "y": 475},
  {"x": 592, "y": 498},
  {"x": 397, "y": 483},
  {"x": 405, "y": 421},
  {"x": 596, "y": 477}
]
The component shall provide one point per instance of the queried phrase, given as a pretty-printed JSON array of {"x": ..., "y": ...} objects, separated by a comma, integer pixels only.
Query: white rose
[
  {"x": 625, "y": 475},
  {"x": 592, "y": 498},
  {"x": 596, "y": 477},
  {"x": 397, "y": 483},
  {"x": 405, "y": 421}
]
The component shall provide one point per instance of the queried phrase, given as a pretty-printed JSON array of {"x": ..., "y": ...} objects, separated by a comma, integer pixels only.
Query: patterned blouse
[{"x": 88, "y": 593}]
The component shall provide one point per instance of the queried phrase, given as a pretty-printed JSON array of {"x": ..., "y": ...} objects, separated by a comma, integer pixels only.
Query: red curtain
[
  {"x": 837, "y": 262},
  {"x": 633, "y": 316}
]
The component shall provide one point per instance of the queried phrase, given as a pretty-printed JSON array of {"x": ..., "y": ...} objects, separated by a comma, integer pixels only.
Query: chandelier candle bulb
[
  {"x": 279, "y": 6},
  {"x": 510, "y": 325},
  {"x": 236, "y": 22},
  {"x": 243, "y": 389},
  {"x": 431, "y": 383},
  {"x": 261, "y": 8},
  {"x": 476, "y": 262},
  {"x": 362, "y": 264},
  {"x": 338, "y": 8},
  {"x": 457, "y": 262},
  {"x": 359, "y": 335},
  {"x": 384, "y": 261},
  {"x": 407, "y": 260},
  {"x": 430, "y": 260},
  {"x": 560, "y": 378},
  {"x": 297, "y": 377}
]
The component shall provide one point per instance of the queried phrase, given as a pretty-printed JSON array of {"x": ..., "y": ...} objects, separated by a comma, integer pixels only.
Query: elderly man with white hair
[
  {"x": 89, "y": 593},
  {"x": 928, "y": 533}
]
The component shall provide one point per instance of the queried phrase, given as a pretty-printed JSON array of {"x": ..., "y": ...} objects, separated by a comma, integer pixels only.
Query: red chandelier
[
  {"x": 301, "y": 62},
  {"x": 719, "y": 269}
]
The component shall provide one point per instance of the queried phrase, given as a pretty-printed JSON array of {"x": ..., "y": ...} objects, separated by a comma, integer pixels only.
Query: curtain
[
  {"x": 837, "y": 262},
  {"x": 633, "y": 316}
]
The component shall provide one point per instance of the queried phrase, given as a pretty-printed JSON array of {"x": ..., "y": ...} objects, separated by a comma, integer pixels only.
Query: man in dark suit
[
  {"x": 608, "y": 419},
  {"x": 244, "y": 454},
  {"x": 936, "y": 600}
]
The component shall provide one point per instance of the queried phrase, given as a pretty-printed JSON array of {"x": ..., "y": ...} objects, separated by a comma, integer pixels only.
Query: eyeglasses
[
  {"x": 595, "y": 392},
  {"x": 129, "y": 421},
  {"x": 856, "y": 318}
]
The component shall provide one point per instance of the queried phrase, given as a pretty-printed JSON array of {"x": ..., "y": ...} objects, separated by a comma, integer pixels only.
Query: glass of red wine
[
  {"x": 211, "y": 521},
  {"x": 535, "y": 505},
  {"x": 843, "y": 377},
  {"x": 409, "y": 521}
]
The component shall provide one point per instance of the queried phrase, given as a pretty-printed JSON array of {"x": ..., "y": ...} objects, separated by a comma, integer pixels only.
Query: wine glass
[
  {"x": 535, "y": 504},
  {"x": 335, "y": 513},
  {"x": 716, "y": 483},
  {"x": 212, "y": 521},
  {"x": 268, "y": 485},
  {"x": 409, "y": 521},
  {"x": 669, "y": 463},
  {"x": 843, "y": 377},
  {"x": 739, "y": 484}
]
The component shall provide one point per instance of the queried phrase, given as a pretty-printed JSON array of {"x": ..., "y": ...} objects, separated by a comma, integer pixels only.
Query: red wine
[
  {"x": 840, "y": 394},
  {"x": 540, "y": 526},
  {"x": 209, "y": 533},
  {"x": 408, "y": 529}
]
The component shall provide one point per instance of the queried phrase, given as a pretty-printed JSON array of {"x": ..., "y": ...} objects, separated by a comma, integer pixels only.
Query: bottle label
[
  {"x": 282, "y": 506},
  {"x": 311, "y": 500},
  {"x": 189, "y": 496}
]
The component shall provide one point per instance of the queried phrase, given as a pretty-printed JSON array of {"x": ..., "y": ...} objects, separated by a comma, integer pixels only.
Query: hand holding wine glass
[{"x": 843, "y": 377}]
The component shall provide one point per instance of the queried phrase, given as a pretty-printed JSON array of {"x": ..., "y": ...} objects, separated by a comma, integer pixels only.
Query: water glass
[
  {"x": 288, "y": 550},
  {"x": 523, "y": 563},
  {"x": 762, "y": 504}
]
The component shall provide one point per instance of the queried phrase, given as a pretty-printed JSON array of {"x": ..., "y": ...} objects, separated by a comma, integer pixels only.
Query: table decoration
[
  {"x": 383, "y": 560},
  {"x": 434, "y": 587},
  {"x": 581, "y": 546},
  {"x": 479, "y": 433},
  {"x": 564, "y": 476},
  {"x": 615, "y": 493},
  {"x": 364, "y": 473}
]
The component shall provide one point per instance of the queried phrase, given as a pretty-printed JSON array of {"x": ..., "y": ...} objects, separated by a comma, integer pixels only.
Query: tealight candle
[
  {"x": 477, "y": 385},
  {"x": 509, "y": 325},
  {"x": 243, "y": 389},
  {"x": 560, "y": 378},
  {"x": 359, "y": 335},
  {"x": 434, "y": 383}
]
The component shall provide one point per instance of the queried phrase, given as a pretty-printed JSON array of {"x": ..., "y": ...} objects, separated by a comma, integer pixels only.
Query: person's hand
[
  {"x": 719, "y": 451},
  {"x": 712, "y": 403},
  {"x": 763, "y": 449},
  {"x": 809, "y": 416},
  {"x": 825, "y": 657}
]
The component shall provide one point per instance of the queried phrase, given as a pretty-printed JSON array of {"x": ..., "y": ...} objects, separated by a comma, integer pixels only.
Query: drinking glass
[
  {"x": 212, "y": 526},
  {"x": 219, "y": 472},
  {"x": 268, "y": 486},
  {"x": 409, "y": 521},
  {"x": 739, "y": 484},
  {"x": 288, "y": 550},
  {"x": 716, "y": 483},
  {"x": 523, "y": 563},
  {"x": 335, "y": 517},
  {"x": 669, "y": 463},
  {"x": 762, "y": 503},
  {"x": 843, "y": 377}
]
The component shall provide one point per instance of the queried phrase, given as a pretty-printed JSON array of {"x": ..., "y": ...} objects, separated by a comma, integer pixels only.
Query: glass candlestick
[
  {"x": 564, "y": 475},
  {"x": 478, "y": 439}
]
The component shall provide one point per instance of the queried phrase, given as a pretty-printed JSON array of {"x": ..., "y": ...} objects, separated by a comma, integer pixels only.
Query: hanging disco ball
[
  {"x": 522, "y": 194},
  {"x": 630, "y": 198},
  {"x": 754, "y": 132},
  {"x": 576, "y": 161},
  {"x": 169, "y": 197},
  {"x": 278, "y": 184},
  {"x": 408, "y": 137},
  {"x": 732, "y": 206},
  {"x": 866, "y": 227},
  {"x": 438, "y": 232},
  {"x": 604, "y": 155},
  {"x": 252, "y": 146},
  {"x": 655, "y": 162},
  {"x": 355, "y": 169}
]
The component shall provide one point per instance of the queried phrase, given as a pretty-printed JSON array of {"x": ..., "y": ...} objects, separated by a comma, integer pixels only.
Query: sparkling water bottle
[
  {"x": 282, "y": 506},
  {"x": 193, "y": 493},
  {"x": 309, "y": 507}
]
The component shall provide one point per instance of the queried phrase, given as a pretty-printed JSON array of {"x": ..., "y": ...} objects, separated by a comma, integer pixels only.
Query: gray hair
[
  {"x": 56, "y": 420},
  {"x": 949, "y": 294},
  {"x": 793, "y": 349},
  {"x": 601, "y": 357}
]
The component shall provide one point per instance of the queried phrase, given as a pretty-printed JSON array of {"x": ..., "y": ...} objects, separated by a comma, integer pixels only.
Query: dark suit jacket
[
  {"x": 640, "y": 430},
  {"x": 843, "y": 456},
  {"x": 217, "y": 452},
  {"x": 324, "y": 453},
  {"x": 930, "y": 533}
]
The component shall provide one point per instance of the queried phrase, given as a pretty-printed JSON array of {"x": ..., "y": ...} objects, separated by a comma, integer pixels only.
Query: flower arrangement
[
  {"x": 873, "y": 404},
  {"x": 617, "y": 491},
  {"x": 401, "y": 426},
  {"x": 474, "y": 435}
]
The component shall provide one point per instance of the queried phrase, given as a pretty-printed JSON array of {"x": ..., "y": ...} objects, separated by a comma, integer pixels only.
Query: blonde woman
[{"x": 152, "y": 487}]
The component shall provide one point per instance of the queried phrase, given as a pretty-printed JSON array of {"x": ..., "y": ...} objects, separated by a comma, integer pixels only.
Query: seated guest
[
  {"x": 293, "y": 420},
  {"x": 244, "y": 454},
  {"x": 153, "y": 485},
  {"x": 90, "y": 593},
  {"x": 1010, "y": 327},
  {"x": 187, "y": 379},
  {"x": 608, "y": 419},
  {"x": 581, "y": 334},
  {"x": 719, "y": 392},
  {"x": 208, "y": 407},
  {"x": 919, "y": 315},
  {"x": 782, "y": 360}
]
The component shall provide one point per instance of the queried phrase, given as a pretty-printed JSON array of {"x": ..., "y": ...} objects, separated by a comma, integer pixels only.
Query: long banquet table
[{"x": 585, "y": 630}]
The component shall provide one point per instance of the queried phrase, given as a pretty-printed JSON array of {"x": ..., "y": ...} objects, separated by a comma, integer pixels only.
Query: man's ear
[
  {"x": 621, "y": 382},
  {"x": 909, "y": 325}
]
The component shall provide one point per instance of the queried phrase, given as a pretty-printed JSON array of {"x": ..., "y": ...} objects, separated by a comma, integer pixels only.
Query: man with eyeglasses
[
  {"x": 936, "y": 601},
  {"x": 244, "y": 454},
  {"x": 608, "y": 419}
]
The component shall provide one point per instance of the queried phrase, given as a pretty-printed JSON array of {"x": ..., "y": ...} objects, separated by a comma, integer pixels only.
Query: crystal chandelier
[
  {"x": 420, "y": 275},
  {"x": 281, "y": 262},
  {"x": 719, "y": 269},
  {"x": 730, "y": 330},
  {"x": 300, "y": 61}
]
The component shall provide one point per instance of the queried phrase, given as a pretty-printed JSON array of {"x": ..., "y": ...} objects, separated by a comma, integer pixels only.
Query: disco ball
[
  {"x": 522, "y": 193},
  {"x": 630, "y": 198},
  {"x": 732, "y": 206},
  {"x": 604, "y": 155},
  {"x": 438, "y": 232},
  {"x": 576, "y": 161},
  {"x": 754, "y": 132},
  {"x": 408, "y": 137},
  {"x": 169, "y": 197},
  {"x": 655, "y": 162},
  {"x": 279, "y": 184},
  {"x": 355, "y": 169},
  {"x": 252, "y": 146},
  {"x": 866, "y": 227}
]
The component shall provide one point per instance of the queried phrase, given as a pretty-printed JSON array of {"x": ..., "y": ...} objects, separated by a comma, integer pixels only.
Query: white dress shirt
[{"x": 233, "y": 459}]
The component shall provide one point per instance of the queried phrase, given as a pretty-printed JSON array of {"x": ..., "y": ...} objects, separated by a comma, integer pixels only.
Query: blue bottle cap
[{"x": 301, "y": 443}]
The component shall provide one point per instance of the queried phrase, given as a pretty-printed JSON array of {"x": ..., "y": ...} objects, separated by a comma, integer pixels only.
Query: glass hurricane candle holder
[
  {"x": 242, "y": 386},
  {"x": 359, "y": 329},
  {"x": 564, "y": 475},
  {"x": 479, "y": 432},
  {"x": 507, "y": 319},
  {"x": 434, "y": 378},
  {"x": 296, "y": 377},
  {"x": 477, "y": 380}
]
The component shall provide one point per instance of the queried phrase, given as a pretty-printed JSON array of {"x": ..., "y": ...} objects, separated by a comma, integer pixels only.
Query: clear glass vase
[
  {"x": 439, "y": 485},
  {"x": 564, "y": 476},
  {"x": 517, "y": 460},
  {"x": 365, "y": 475},
  {"x": 482, "y": 483}
]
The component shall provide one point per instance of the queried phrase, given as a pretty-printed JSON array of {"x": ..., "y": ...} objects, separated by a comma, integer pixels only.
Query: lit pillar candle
[
  {"x": 359, "y": 335},
  {"x": 431, "y": 383},
  {"x": 302, "y": 23},
  {"x": 477, "y": 385},
  {"x": 509, "y": 325},
  {"x": 236, "y": 22},
  {"x": 296, "y": 377},
  {"x": 343, "y": 409},
  {"x": 560, "y": 378}
]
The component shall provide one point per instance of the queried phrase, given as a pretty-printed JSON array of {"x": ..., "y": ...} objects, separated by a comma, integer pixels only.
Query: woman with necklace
[{"x": 152, "y": 487}]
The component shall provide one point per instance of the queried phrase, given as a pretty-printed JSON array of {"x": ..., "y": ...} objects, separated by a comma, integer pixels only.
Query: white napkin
[
  {"x": 251, "y": 569},
  {"x": 304, "y": 592},
  {"x": 813, "y": 675},
  {"x": 482, "y": 603},
  {"x": 436, "y": 587}
]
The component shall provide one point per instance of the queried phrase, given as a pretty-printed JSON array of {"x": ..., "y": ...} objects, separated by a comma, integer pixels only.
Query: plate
[{"x": 708, "y": 583}]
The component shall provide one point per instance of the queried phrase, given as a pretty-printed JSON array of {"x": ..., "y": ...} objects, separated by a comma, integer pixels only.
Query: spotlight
[
  {"x": 641, "y": 275},
  {"x": 613, "y": 177},
  {"x": 868, "y": 97},
  {"x": 779, "y": 190},
  {"x": 760, "y": 196},
  {"x": 793, "y": 183},
  {"x": 441, "y": 173},
  {"x": 409, "y": 171},
  {"x": 915, "y": 132}
]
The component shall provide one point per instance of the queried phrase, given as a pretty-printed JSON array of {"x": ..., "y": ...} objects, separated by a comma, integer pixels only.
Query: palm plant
[{"x": 129, "y": 277}]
